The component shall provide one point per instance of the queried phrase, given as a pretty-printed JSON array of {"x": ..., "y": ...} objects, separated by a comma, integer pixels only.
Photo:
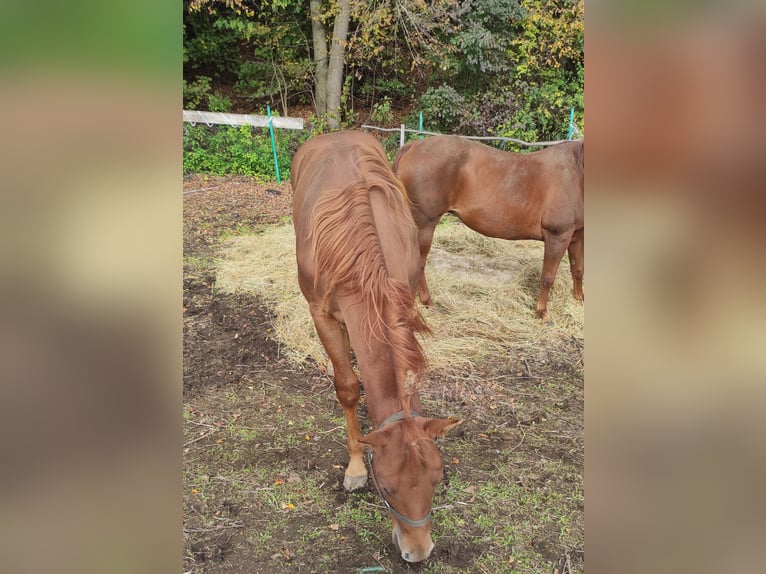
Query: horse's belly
[{"x": 502, "y": 223}]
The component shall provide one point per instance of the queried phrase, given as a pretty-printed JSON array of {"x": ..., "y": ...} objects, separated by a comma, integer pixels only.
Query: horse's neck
[{"x": 384, "y": 402}]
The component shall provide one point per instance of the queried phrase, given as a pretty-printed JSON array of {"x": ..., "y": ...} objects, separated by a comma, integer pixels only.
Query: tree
[
  {"x": 329, "y": 62},
  {"x": 509, "y": 67},
  {"x": 330, "y": 22}
]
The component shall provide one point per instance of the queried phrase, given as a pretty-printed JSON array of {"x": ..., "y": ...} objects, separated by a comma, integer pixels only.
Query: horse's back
[
  {"x": 327, "y": 160},
  {"x": 497, "y": 193},
  {"x": 431, "y": 171},
  {"x": 345, "y": 177}
]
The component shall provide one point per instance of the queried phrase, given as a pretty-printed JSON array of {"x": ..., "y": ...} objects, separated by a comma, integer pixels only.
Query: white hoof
[{"x": 354, "y": 482}]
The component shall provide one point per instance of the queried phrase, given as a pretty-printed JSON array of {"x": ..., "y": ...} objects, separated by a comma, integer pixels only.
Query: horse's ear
[
  {"x": 375, "y": 439},
  {"x": 440, "y": 427}
]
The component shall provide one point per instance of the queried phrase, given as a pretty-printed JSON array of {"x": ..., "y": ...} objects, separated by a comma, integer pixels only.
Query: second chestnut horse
[{"x": 538, "y": 195}]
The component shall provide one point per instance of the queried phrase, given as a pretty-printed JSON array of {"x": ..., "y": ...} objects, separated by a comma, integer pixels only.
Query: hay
[{"x": 484, "y": 292}]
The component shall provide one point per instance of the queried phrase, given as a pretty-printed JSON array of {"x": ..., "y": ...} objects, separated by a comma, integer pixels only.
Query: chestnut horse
[
  {"x": 536, "y": 195},
  {"x": 358, "y": 266}
]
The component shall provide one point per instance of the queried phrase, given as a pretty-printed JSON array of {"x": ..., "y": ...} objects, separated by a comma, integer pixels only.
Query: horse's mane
[{"x": 348, "y": 257}]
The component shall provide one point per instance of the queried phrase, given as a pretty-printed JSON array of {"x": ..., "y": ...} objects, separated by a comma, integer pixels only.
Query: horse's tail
[
  {"x": 349, "y": 259},
  {"x": 580, "y": 154}
]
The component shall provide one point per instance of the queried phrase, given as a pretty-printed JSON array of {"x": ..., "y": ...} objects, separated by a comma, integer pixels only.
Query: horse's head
[{"x": 406, "y": 467}]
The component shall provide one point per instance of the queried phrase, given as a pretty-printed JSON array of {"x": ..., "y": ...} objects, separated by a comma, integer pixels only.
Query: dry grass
[{"x": 484, "y": 291}]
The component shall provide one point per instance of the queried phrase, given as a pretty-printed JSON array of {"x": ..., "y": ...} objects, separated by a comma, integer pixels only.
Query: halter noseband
[{"x": 397, "y": 416}]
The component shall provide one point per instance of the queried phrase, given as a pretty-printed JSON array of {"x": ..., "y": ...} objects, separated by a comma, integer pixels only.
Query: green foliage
[
  {"x": 389, "y": 88},
  {"x": 208, "y": 50},
  {"x": 483, "y": 40},
  {"x": 259, "y": 50},
  {"x": 381, "y": 112},
  {"x": 443, "y": 108},
  {"x": 216, "y": 102},
  {"x": 242, "y": 150},
  {"x": 476, "y": 67},
  {"x": 196, "y": 92}
]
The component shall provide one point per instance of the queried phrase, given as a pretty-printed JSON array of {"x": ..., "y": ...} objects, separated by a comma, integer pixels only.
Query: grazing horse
[
  {"x": 358, "y": 266},
  {"x": 536, "y": 195}
]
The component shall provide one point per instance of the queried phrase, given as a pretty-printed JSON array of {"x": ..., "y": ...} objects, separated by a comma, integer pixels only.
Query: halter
[{"x": 397, "y": 416}]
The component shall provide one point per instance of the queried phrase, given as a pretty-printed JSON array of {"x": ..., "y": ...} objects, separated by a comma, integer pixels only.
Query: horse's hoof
[{"x": 354, "y": 482}]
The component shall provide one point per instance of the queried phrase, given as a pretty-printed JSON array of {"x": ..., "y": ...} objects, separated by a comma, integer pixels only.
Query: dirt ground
[{"x": 264, "y": 439}]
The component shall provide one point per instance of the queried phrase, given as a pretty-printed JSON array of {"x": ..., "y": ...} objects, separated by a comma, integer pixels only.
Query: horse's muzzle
[{"x": 413, "y": 551}]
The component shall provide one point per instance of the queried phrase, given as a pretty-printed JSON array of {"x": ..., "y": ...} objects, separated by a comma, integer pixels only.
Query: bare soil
[{"x": 264, "y": 448}]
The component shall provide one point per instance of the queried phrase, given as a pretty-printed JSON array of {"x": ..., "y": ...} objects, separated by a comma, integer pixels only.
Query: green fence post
[
  {"x": 571, "y": 123},
  {"x": 273, "y": 143},
  {"x": 420, "y": 124}
]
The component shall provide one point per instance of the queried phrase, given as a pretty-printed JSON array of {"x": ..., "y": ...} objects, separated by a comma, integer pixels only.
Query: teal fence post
[
  {"x": 273, "y": 143},
  {"x": 420, "y": 124},
  {"x": 571, "y": 123}
]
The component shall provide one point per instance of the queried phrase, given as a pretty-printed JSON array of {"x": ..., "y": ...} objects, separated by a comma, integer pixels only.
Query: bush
[
  {"x": 241, "y": 150},
  {"x": 217, "y": 102},
  {"x": 196, "y": 92},
  {"x": 381, "y": 112},
  {"x": 443, "y": 108}
]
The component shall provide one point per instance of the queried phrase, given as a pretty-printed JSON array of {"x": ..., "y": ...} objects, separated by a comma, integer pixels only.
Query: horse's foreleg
[
  {"x": 425, "y": 238},
  {"x": 577, "y": 262},
  {"x": 335, "y": 340},
  {"x": 555, "y": 245}
]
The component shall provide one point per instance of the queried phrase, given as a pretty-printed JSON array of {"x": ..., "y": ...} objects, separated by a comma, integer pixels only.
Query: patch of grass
[
  {"x": 508, "y": 521},
  {"x": 197, "y": 263}
]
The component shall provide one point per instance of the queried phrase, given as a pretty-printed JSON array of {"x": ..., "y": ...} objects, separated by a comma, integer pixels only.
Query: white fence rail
[{"x": 220, "y": 118}]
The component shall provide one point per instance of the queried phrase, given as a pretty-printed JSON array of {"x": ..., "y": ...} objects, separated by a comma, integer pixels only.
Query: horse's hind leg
[
  {"x": 577, "y": 262},
  {"x": 334, "y": 337},
  {"x": 425, "y": 238},
  {"x": 555, "y": 245}
]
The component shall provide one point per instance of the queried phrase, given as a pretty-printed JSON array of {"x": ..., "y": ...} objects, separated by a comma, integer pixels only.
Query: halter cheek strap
[{"x": 397, "y": 416}]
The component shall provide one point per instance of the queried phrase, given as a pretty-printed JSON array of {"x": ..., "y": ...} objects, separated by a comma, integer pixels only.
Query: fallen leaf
[
  {"x": 334, "y": 526},
  {"x": 455, "y": 460},
  {"x": 278, "y": 482},
  {"x": 470, "y": 489}
]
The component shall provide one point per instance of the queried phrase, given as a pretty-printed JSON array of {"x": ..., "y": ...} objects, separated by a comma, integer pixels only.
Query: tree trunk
[
  {"x": 335, "y": 66},
  {"x": 319, "y": 37}
]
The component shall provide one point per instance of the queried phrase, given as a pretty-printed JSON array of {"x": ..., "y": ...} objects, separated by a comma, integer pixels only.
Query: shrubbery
[{"x": 242, "y": 150}]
